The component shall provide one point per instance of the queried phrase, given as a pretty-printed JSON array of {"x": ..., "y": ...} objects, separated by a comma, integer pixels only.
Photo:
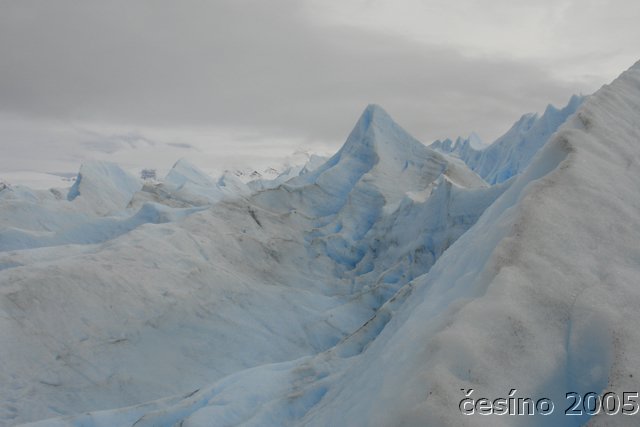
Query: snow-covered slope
[
  {"x": 510, "y": 154},
  {"x": 373, "y": 291}
]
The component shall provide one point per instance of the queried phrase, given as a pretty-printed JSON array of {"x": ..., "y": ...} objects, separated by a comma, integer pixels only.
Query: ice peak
[
  {"x": 184, "y": 171},
  {"x": 374, "y": 114},
  {"x": 373, "y": 117},
  {"x": 476, "y": 142},
  {"x": 104, "y": 186},
  {"x": 575, "y": 101},
  {"x": 181, "y": 162},
  {"x": 376, "y": 128}
]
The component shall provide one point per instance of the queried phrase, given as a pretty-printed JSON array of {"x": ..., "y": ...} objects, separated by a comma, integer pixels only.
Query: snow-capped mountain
[
  {"x": 299, "y": 162},
  {"x": 375, "y": 289}
]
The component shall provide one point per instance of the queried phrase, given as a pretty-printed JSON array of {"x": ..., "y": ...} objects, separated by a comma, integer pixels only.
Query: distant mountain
[{"x": 299, "y": 162}]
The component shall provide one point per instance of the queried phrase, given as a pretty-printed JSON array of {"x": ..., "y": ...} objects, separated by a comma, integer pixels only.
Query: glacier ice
[
  {"x": 510, "y": 154},
  {"x": 366, "y": 291},
  {"x": 103, "y": 187}
]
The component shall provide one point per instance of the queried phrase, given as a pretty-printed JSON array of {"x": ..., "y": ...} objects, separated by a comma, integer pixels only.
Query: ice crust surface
[{"x": 365, "y": 291}]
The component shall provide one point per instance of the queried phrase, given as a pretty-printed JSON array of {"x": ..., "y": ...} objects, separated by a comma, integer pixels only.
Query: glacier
[{"x": 372, "y": 288}]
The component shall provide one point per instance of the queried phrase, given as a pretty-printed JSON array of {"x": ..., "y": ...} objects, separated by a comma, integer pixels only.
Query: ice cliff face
[{"x": 367, "y": 291}]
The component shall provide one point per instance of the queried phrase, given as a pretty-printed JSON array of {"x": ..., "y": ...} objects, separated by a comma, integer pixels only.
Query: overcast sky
[{"x": 218, "y": 80}]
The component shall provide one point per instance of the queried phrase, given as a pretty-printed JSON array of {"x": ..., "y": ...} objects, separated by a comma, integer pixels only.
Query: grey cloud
[
  {"x": 110, "y": 144},
  {"x": 181, "y": 145},
  {"x": 263, "y": 66}
]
